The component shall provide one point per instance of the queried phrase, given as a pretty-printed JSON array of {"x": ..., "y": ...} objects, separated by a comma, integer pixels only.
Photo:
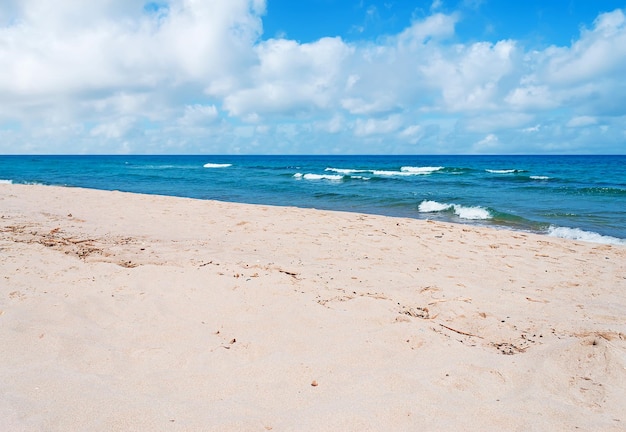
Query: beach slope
[{"x": 126, "y": 312}]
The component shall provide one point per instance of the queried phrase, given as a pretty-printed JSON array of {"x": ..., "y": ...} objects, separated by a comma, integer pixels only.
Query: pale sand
[{"x": 123, "y": 312}]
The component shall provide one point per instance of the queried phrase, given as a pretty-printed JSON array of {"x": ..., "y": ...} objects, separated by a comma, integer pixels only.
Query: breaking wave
[
  {"x": 347, "y": 171},
  {"x": 588, "y": 236},
  {"x": 463, "y": 212},
  {"x": 420, "y": 170},
  {"x": 505, "y": 171},
  {"x": 331, "y": 177},
  {"x": 404, "y": 171},
  {"x": 216, "y": 165}
]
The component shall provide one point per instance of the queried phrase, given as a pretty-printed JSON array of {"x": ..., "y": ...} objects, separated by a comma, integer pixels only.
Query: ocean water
[{"x": 578, "y": 197}]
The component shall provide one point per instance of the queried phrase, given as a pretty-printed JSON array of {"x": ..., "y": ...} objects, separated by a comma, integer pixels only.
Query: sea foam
[
  {"x": 432, "y": 207},
  {"x": 346, "y": 171},
  {"x": 588, "y": 236},
  {"x": 331, "y": 177},
  {"x": 387, "y": 173},
  {"x": 216, "y": 165},
  {"x": 420, "y": 170},
  {"x": 463, "y": 212},
  {"x": 404, "y": 171},
  {"x": 6, "y": 181},
  {"x": 472, "y": 213},
  {"x": 505, "y": 171}
]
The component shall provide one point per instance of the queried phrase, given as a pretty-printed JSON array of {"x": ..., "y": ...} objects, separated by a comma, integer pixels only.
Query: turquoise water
[{"x": 581, "y": 197}]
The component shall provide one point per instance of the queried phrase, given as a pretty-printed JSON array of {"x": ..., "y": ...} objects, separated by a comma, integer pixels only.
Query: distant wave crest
[
  {"x": 216, "y": 165},
  {"x": 347, "y": 171},
  {"x": 331, "y": 177},
  {"x": 505, "y": 171},
  {"x": 404, "y": 171},
  {"x": 421, "y": 170}
]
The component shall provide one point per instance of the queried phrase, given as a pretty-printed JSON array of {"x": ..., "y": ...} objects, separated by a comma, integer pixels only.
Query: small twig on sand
[
  {"x": 537, "y": 301},
  {"x": 460, "y": 332},
  {"x": 292, "y": 274}
]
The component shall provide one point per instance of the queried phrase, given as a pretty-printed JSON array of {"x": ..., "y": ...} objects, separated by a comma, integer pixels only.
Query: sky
[{"x": 312, "y": 77}]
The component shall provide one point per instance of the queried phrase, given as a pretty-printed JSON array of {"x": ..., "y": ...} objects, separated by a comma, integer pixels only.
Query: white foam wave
[
  {"x": 329, "y": 177},
  {"x": 347, "y": 171},
  {"x": 420, "y": 170},
  {"x": 472, "y": 213},
  {"x": 505, "y": 171},
  {"x": 391, "y": 173},
  {"x": 463, "y": 212},
  {"x": 6, "y": 181},
  {"x": 432, "y": 207},
  {"x": 216, "y": 165},
  {"x": 588, "y": 236},
  {"x": 404, "y": 171},
  {"x": 540, "y": 177}
]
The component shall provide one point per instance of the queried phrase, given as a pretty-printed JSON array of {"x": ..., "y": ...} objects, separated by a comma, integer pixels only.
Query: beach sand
[{"x": 126, "y": 312}]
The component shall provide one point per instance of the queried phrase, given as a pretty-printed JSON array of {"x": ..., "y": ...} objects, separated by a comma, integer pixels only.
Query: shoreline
[
  {"x": 552, "y": 231},
  {"x": 128, "y": 311}
]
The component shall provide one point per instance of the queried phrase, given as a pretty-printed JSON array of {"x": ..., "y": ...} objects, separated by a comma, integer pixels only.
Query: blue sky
[{"x": 313, "y": 76}]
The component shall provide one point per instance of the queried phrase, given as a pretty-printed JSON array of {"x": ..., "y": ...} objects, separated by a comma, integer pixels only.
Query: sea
[{"x": 576, "y": 197}]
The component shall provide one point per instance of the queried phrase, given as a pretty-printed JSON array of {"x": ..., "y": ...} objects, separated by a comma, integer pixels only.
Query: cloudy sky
[{"x": 312, "y": 76}]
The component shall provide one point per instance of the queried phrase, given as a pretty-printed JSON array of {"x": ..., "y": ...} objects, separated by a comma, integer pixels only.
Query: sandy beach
[{"x": 125, "y": 312}]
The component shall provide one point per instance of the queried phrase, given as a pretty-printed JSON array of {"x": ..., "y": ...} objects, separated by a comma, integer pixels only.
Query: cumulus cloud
[
  {"x": 582, "y": 121},
  {"x": 532, "y": 98},
  {"x": 599, "y": 51},
  {"x": 116, "y": 129},
  {"x": 374, "y": 126},
  {"x": 585, "y": 77},
  {"x": 290, "y": 78},
  {"x": 197, "y": 115},
  {"x": 131, "y": 75},
  {"x": 487, "y": 144},
  {"x": 471, "y": 78},
  {"x": 413, "y": 134},
  {"x": 87, "y": 49}
]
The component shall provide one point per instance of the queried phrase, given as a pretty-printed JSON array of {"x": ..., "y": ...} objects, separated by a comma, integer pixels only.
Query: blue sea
[{"x": 578, "y": 197}]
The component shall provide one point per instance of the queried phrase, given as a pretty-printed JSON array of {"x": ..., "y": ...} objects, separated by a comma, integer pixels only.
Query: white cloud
[
  {"x": 117, "y": 76},
  {"x": 496, "y": 121},
  {"x": 114, "y": 130},
  {"x": 291, "y": 77},
  {"x": 333, "y": 126},
  {"x": 599, "y": 51},
  {"x": 586, "y": 77},
  {"x": 532, "y": 98},
  {"x": 81, "y": 49},
  {"x": 531, "y": 129},
  {"x": 582, "y": 121},
  {"x": 470, "y": 77},
  {"x": 197, "y": 115},
  {"x": 379, "y": 103},
  {"x": 412, "y": 134},
  {"x": 436, "y": 5},
  {"x": 436, "y": 26},
  {"x": 487, "y": 144},
  {"x": 374, "y": 126}
]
